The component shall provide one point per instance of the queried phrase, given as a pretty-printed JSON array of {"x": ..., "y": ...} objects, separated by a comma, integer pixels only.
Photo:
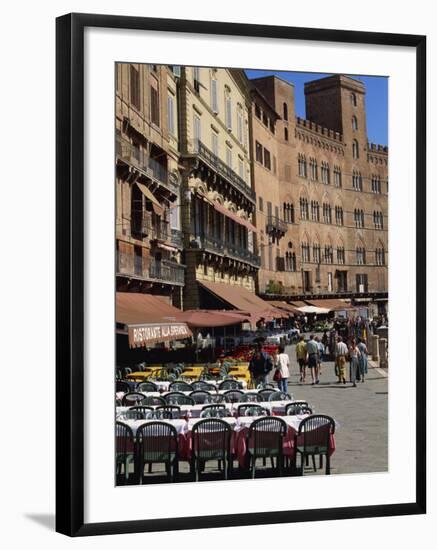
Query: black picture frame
[{"x": 70, "y": 272}]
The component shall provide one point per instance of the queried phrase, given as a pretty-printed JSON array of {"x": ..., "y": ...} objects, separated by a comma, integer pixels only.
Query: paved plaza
[{"x": 361, "y": 412}]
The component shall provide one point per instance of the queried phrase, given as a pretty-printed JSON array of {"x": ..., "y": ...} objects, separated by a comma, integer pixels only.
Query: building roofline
[
  {"x": 335, "y": 80},
  {"x": 256, "y": 90},
  {"x": 272, "y": 76}
]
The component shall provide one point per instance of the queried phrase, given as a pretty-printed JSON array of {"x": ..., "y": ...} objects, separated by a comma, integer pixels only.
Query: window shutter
[
  {"x": 228, "y": 113},
  {"x": 214, "y": 99}
]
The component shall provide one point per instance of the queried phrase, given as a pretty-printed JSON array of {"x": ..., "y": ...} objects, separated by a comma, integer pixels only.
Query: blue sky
[{"x": 376, "y": 99}]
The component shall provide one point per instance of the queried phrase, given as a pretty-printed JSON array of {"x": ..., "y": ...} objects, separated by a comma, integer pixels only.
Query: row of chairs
[
  {"x": 157, "y": 442},
  {"x": 201, "y": 397},
  {"x": 143, "y": 412},
  {"x": 123, "y": 386}
]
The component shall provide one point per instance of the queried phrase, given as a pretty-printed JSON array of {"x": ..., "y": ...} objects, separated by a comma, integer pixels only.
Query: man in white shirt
[{"x": 341, "y": 353}]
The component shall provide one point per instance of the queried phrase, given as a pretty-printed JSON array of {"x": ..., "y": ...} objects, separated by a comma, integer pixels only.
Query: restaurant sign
[{"x": 142, "y": 335}]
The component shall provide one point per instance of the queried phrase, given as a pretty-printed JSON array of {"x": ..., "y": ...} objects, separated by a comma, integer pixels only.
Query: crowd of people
[{"x": 310, "y": 355}]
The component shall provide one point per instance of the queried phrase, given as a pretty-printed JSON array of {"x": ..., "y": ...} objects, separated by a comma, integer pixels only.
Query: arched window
[
  {"x": 302, "y": 165},
  {"x": 354, "y": 100},
  {"x": 354, "y": 123},
  {"x": 361, "y": 255},
  {"x": 285, "y": 111},
  {"x": 286, "y": 134},
  {"x": 380, "y": 256},
  {"x": 316, "y": 253},
  {"x": 355, "y": 149}
]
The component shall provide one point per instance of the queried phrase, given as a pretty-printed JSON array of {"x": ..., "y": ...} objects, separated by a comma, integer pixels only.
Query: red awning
[
  {"x": 223, "y": 210},
  {"x": 243, "y": 300},
  {"x": 284, "y": 306},
  {"x": 212, "y": 318},
  {"x": 149, "y": 319}
]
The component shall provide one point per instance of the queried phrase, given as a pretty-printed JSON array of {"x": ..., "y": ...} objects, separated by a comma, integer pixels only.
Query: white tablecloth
[{"x": 183, "y": 426}]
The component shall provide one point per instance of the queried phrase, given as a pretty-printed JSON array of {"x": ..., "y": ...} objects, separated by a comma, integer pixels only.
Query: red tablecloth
[{"x": 239, "y": 445}]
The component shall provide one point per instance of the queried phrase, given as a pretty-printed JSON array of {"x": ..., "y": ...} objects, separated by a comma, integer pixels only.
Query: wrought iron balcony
[
  {"x": 139, "y": 159},
  {"x": 177, "y": 238},
  {"x": 275, "y": 224},
  {"x": 146, "y": 227},
  {"x": 130, "y": 265},
  {"x": 236, "y": 251},
  {"x": 168, "y": 271},
  {"x": 223, "y": 169}
]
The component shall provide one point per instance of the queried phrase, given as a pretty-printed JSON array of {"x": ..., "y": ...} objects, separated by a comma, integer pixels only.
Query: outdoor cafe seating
[{"x": 237, "y": 435}]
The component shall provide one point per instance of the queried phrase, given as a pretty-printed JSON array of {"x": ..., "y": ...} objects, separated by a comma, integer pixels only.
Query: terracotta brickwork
[{"x": 336, "y": 183}]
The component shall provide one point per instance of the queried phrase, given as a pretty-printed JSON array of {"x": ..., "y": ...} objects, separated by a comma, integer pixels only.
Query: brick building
[
  {"x": 330, "y": 187},
  {"x": 219, "y": 183}
]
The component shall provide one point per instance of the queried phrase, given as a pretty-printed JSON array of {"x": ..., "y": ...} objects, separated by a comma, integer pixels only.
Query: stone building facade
[
  {"x": 331, "y": 189},
  {"x": 148, "y": 232},
  {"x": 217, "y": 180},
  {"x": 218, "y": 201}
]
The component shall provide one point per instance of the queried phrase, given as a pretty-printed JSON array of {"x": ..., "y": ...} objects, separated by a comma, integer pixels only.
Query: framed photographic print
[{"x": 239, "y": 288}]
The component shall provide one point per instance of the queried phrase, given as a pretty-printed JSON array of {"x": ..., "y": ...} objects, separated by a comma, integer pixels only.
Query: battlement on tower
[
  {"x": 318, "y": 129},
  {"x": 376, "y": 148}
]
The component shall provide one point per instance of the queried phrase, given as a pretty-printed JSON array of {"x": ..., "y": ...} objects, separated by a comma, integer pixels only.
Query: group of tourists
[
  {"x": 357, "y": 353},
  {"x": 310, "y": 354}
]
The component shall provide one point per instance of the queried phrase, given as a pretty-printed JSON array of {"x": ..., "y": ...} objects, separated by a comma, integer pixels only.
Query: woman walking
[
  {"x": 354, "y": 354},
  {"x": 362, "y": 360},
  {"x": 283, "y": 369}
]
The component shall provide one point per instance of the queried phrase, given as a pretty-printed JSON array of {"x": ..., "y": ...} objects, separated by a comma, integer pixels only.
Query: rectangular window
[
  {"x": 154, "y": 105},
  {"x": 214, "y": 98},
  {"x": 135, "y": 87},
  {"x": 267, "y": 161},
  {"x": 270, "y": 257},
  {"x": 330, "y": 284},
  {"x": 240, "y": 127},
  {"x": 196, "y": 79},
  {"x": 228, "y": 113},
  {"x": 197, "y": 129},
  {"x": 170, "y": 114},
  {"x": 215, "y": 143},
  {"x": 240, "y": 168},
  {"x": 229, "y": 156},
  {"x": 261, "y": 204},
  {"x": 176, "y": 70},
  {"x": 258, "y": 152},
  {"x": 362, "y": 285}
]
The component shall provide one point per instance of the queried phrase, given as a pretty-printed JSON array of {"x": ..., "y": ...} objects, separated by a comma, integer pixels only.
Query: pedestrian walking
[
  {"x": 313, "y": 354},
  {"x": 320, "y": 355},
  {"x": 325, "y": 342},
  {"x": 362, "y": 360},
  {"x": 354, "y": 354},
  {"x": 341, "y": 353},
  {"x": 282, "y": 369},
  {"x": 301, "y": 356},
  {"x": 260, "y": 365}
]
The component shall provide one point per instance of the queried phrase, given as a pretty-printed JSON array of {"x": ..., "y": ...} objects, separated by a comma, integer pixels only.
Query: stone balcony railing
[{"x": 223, "y": 169}]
